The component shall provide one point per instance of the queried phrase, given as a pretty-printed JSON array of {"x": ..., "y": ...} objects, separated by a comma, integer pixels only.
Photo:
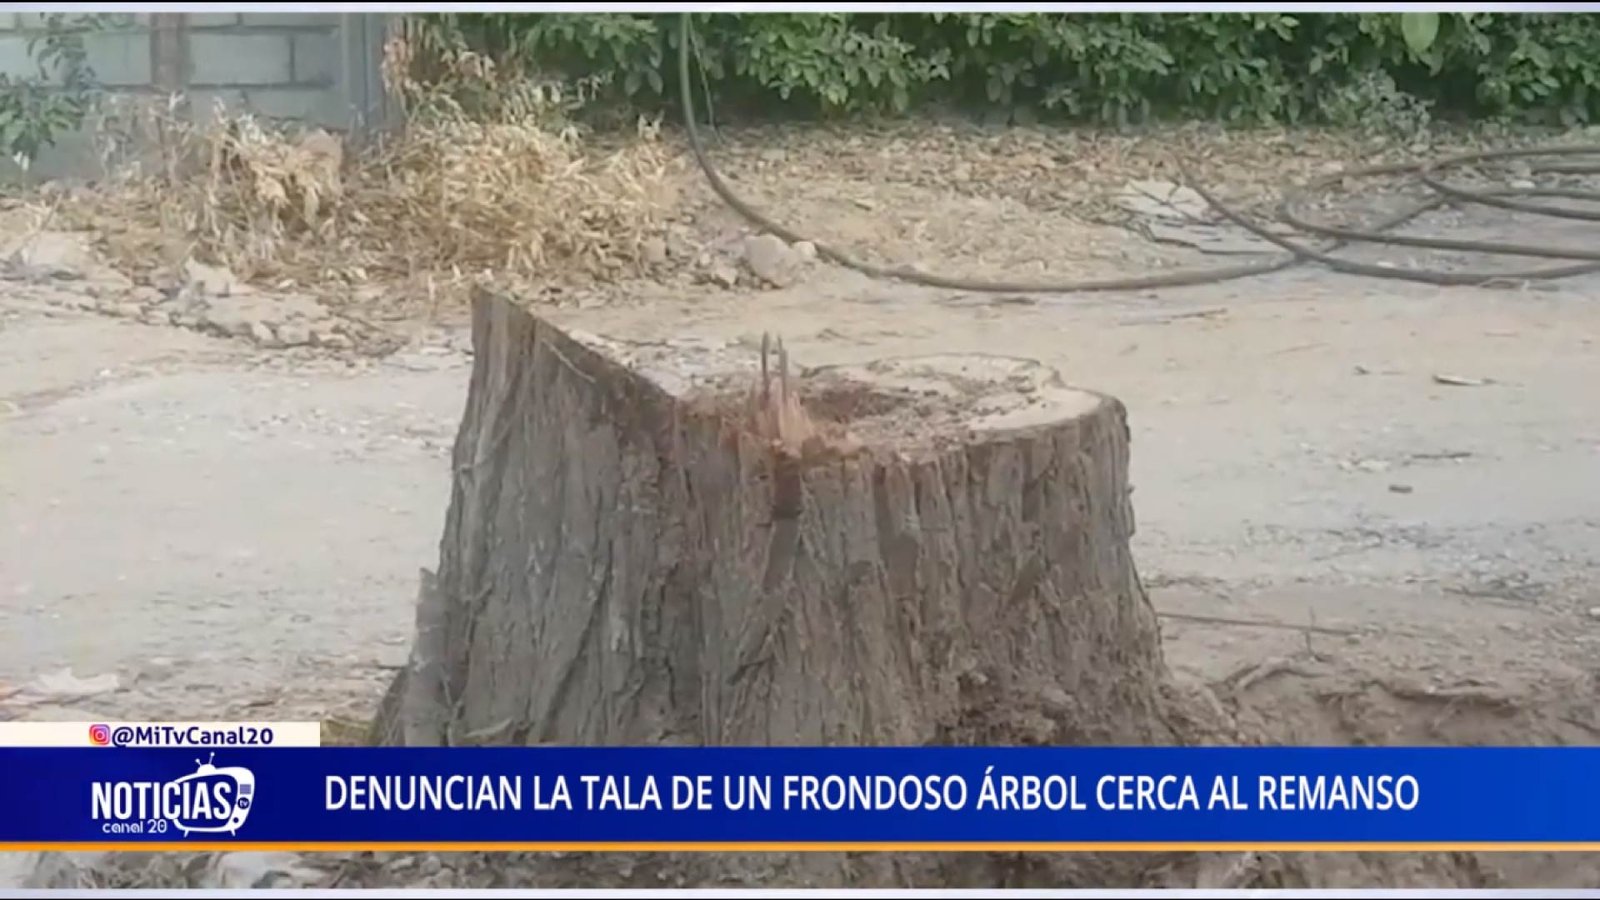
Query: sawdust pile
[{"x": 448, "y": 199}]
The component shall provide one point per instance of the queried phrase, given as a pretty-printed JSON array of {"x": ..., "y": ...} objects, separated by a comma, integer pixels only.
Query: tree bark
[{"x": 658, "y": 544}]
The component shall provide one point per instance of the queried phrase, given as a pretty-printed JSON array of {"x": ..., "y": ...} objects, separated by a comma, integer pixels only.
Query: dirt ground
[{"x": 1399, "y": 485}]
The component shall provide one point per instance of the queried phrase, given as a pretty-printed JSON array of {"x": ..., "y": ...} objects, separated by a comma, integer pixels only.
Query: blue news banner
[{"x": 682, "y": 796}]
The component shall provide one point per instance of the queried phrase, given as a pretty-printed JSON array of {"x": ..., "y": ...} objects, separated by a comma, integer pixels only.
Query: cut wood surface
[{"x": 706, "y": 544}]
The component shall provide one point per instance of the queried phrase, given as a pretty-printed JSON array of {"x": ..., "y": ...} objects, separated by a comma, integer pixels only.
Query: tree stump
[{"x": 698, "y": 544}]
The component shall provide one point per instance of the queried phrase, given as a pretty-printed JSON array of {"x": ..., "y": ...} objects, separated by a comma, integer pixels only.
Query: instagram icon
[{"x": 99, "y": 735}]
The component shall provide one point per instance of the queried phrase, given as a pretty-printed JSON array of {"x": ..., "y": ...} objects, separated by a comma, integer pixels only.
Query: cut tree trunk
[{"x": 660, "y": 544}]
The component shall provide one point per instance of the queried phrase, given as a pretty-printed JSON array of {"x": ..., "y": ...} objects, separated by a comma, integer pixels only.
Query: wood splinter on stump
[{"x": 675, "y": 544}]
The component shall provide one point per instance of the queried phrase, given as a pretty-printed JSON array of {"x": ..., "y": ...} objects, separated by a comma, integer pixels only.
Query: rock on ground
[{"x": 771, "y": 260}]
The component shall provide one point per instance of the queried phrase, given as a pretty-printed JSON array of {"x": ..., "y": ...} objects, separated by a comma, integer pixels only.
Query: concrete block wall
[
  {"x": 280, "y": 66},
  {"x": 319, "y": 68},
  {"x": 120, "y": 53}
]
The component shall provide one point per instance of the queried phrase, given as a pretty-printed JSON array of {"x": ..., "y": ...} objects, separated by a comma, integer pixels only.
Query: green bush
[
  {"x": 1110, "y": 68},
  {"x": 35, "y": 110}
]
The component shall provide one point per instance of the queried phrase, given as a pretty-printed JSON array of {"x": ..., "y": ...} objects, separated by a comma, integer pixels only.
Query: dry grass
[{"x": 445, "y": 201}]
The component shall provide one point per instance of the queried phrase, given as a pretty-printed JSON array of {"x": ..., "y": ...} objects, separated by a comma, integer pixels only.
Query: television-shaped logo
[{"x": 217, "y": 799}]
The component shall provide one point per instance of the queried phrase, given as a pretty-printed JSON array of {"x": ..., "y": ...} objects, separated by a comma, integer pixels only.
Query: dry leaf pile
[
  {"x": 521, "y": 199},
  {"x": 449, "y": 199}
]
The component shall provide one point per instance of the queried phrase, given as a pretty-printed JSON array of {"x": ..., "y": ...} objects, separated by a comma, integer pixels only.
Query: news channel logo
[{"x": 210, "y": 800}]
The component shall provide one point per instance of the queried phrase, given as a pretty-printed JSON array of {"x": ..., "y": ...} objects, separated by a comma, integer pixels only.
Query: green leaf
[
  {"x": 9, "y": 132},
  {"x": 1419, "y": 30}
]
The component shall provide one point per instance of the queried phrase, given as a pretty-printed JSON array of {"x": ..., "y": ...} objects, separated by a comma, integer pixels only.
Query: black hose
[{"x": 1375, "y": 234}]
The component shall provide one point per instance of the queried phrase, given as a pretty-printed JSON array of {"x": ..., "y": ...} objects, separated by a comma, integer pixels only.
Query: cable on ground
[{"x": 1578, "y": 260}]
